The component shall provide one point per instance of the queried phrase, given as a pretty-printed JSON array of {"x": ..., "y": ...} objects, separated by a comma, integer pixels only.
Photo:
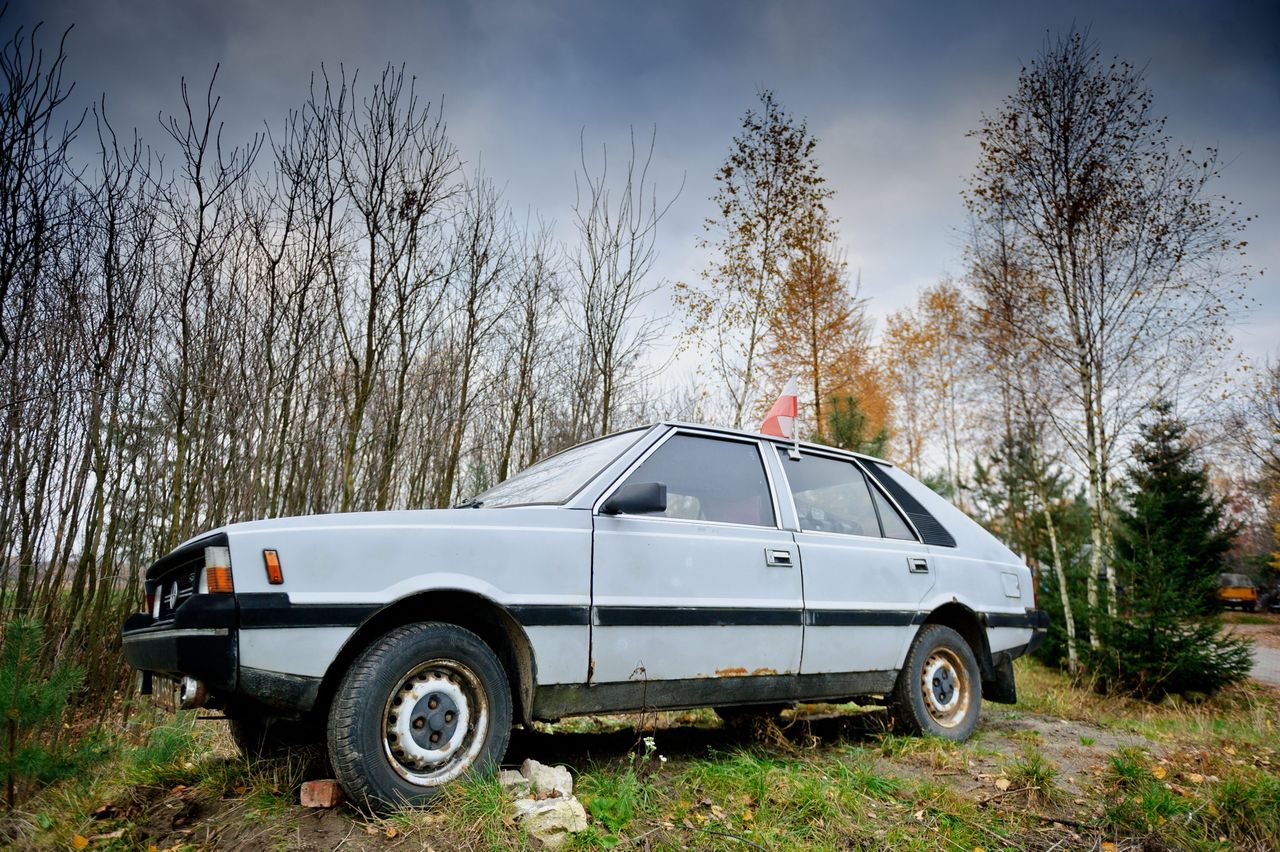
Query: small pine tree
[
  {"x": 1171, "y": 540},
  {"x": 31, "y": 700},
  {"x": 849, "y": 427}
]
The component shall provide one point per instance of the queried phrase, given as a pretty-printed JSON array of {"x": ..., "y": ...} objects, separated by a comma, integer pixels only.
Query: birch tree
[{"x": 1123, "y": 227}]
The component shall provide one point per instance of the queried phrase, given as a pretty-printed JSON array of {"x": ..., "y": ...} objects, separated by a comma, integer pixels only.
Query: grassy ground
[{"x": 1064, "y": 768}]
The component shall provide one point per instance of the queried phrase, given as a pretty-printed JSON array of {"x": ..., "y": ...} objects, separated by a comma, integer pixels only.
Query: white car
[{"x": 666, "y": 567}]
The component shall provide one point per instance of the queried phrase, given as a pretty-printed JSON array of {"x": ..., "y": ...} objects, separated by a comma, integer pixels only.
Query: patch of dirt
[
  {"x": 1077, "y": 749},
  {"x": 1266, "y": 635}
]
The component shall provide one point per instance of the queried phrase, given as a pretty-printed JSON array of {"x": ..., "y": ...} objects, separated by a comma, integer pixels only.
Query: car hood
[{"x": 507, "y": 517}]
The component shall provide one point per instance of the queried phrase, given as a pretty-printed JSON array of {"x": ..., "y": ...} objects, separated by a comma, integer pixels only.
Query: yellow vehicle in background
[{"x": 1237, "y": 590}]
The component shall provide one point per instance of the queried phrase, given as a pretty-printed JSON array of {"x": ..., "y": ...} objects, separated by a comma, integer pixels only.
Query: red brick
[{"x": 325, "y": 793}]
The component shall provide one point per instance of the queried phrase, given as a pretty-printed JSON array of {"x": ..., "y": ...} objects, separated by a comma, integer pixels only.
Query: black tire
[
  {"x": 260, "y": 737},
  {"x": 941, "y": 661},
  {"x": 461, "y": 703}
]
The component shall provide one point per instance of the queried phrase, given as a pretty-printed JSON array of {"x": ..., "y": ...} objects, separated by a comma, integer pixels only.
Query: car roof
[{"x": 782, "y": 442}]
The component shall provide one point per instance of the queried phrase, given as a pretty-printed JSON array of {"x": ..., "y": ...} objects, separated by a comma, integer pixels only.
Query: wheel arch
[
  {"x": 972, "y": 628},
  {"x": 484, "y": 617}
]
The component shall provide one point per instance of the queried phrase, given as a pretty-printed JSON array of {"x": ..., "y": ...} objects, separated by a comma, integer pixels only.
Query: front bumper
[{"x": 199, "y": 642}]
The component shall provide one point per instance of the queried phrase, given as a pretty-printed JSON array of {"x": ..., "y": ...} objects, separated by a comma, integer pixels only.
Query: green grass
[
  {"x": 1035, "y": 774},
  {"x": 1204, "y": 772},
  {"x": 1246, "y": 618}
]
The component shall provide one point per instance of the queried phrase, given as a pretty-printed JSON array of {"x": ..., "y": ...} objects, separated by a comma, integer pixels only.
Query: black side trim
[
  {"x": 667, "y": 616},
  {"x": 551, "y": 615},
  {"x": 556, "y": 701},
  {"x": 1036, "y": 619},
  {"x": 273, "y": 609},
  {"x": 861, "y": 618},
  {"x": 931, "y": 531}
]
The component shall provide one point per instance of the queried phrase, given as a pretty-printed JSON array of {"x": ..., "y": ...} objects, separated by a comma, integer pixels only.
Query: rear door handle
[
  {"x": 777, "y": 558},
  {"x": 917, "y": 565}
]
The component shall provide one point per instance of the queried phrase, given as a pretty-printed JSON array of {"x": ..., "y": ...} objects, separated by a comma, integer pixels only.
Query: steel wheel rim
[
  {"x": 944, "y": 683},
  {"x": 435, "y": 722}
]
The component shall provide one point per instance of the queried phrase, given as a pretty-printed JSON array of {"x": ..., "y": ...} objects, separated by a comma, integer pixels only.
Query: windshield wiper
[{"x": 470, "y": 504}]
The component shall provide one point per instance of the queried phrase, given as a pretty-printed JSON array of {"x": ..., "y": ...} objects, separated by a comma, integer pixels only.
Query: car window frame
[
  {"x": 770, "y": 482},
  {"x": 783, "y": 452}
]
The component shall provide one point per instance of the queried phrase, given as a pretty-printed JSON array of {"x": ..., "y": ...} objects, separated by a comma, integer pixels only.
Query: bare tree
[
  {"x": 615, "y": 252},
  {"x": 1122, "y": 228}
]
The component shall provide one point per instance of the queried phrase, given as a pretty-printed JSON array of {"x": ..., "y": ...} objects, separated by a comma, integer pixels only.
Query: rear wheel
[
  {"x": 938, "y": 690},
  {"x": 423, "y": 705}
]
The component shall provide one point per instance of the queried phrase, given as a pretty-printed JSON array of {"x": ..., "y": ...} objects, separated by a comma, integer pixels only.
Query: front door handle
[
  {"x": 777, "y": 558},
  {"x": 917, "y": 565}
]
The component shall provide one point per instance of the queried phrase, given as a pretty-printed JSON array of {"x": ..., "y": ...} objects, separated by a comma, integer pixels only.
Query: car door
[
  {"x": 865, "y": 572},
  {"x": 708, "y": 588}
]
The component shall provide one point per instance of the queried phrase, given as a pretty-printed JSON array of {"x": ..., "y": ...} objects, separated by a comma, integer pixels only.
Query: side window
[
  {"x": 893, "y": 523},
  {"x": 831, "y": 495},
  {"x": 709, "y": 479}
]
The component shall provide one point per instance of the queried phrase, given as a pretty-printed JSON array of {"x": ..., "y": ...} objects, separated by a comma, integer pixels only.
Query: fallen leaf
[
  {"x": 1159, "y": 772},
  {"x": 79, "y": 841},
  {"x": 110, "y": 835},
  {"x": 391, "y": 830},
  {"x": 1002, "y": 784},
  {"x": 1195, "y": 778},
  {"x": 177, "y": 789},
  {"x": 1108, "y": 846},
  {"x": 747, "y": 816}
]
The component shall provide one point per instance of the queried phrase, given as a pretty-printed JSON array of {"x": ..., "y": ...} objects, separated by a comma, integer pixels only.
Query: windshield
[
  {"x": 1239, "y": 580},
  {"x": 558, "y": 478}
]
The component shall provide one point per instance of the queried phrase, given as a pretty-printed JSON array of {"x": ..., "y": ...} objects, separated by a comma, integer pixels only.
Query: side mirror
[{"x": 637, "y": 498}]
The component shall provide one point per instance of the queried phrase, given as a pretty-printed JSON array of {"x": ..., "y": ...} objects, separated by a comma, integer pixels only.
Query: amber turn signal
[
  {"x": 272, "y": 560},
  {"x": 218, "y": 578}
]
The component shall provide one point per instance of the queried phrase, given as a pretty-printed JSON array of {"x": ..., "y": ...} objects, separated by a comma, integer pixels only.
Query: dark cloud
[{"x": 891, "y": 89}]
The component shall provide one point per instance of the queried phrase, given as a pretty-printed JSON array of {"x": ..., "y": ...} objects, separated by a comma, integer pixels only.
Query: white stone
[
  {"x": 548, "y": 780},
  {"x": 550, "y": 821},
  {"x": 510, "y": 779}
]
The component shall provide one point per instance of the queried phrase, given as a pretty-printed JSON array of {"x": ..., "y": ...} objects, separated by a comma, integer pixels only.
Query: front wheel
[
  {"x": 938, "y": 690},
  {"x": 421, "y": 706}
]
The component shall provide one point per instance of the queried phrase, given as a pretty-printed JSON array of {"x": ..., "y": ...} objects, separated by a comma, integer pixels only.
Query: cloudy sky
[{"x": 890, "y": 89}]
